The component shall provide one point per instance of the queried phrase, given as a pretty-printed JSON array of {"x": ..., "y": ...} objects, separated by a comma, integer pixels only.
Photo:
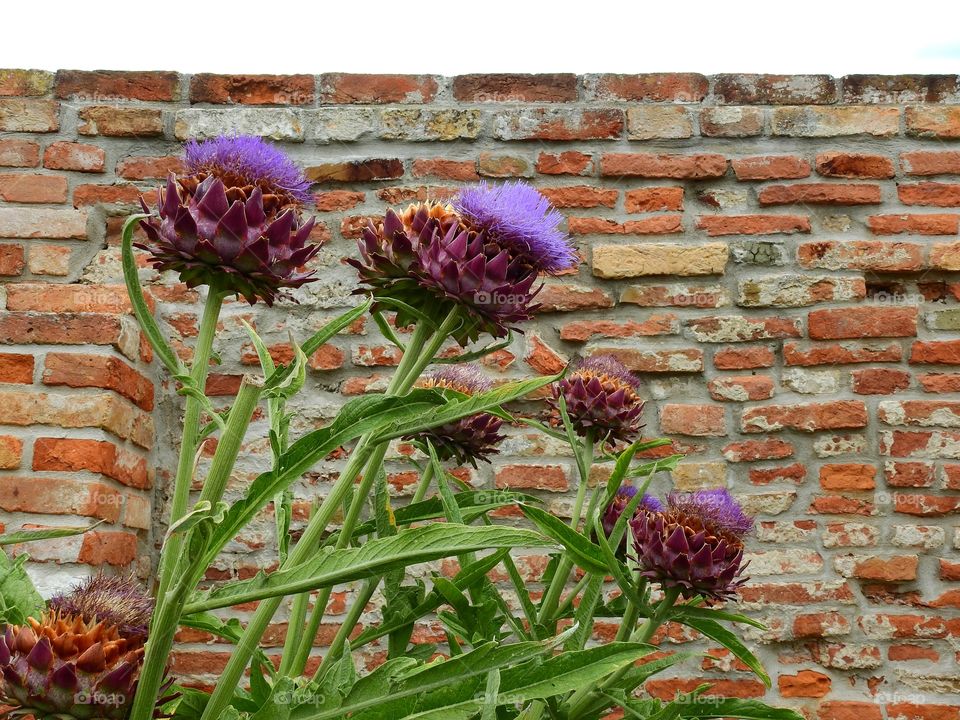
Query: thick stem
[
  {"x": 161, "y": 635},
  {"x": 346, "y": 627},
  {"x": 418, "y": 355},
  {"x": 424, "y": 484}
]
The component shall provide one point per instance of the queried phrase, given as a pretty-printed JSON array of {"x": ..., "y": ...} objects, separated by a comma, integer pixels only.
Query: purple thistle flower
[
  {"x": 516, "y": 216},
  {"x": 716, "y": 509},
  {"x": 694, "y": 544},
  {"x": 117, "y": 601},
  {"x": 247, "y": 160},
  {"x": 468, "y": 439}
]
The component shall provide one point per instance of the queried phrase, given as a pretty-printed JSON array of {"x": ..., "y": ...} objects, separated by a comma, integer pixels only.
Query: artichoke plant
[
  {"x": 82, "y": 657},
  {"x": 694, "y": 544},
  {"x": 233, "y": 220},
  {"x": 615, "y": 508}
]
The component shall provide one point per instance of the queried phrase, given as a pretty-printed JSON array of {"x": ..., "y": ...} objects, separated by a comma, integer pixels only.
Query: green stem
[
  {"x": 163, "y": 624},
  {"x": 346, "y": 627},
  {"x": 419, "y": 354},
  {"x": 551, "y": 598},
  {"x": 423, "y": 485}
]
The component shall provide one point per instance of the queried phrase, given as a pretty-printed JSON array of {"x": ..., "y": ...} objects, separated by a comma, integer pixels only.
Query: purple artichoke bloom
[
  {"x": 247, "y": 160},
  {"x": 601, "y": 397},
  {"x": 518, "y": 218},
  {"x": 468, "y": 439},
  {"x": 615, "y": 508},
  {"x": 82, "y": 658},
  {"x": 694, "y": 544},
  {"x": 229, "y": 226}
]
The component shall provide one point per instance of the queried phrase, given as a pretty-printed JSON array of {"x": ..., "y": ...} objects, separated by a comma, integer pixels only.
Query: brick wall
[{"x": 775, "y": 255}]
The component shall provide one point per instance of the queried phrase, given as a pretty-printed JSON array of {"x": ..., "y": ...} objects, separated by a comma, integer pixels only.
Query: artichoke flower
[
  {"x": 232, "y": 221},
  {"x": 601, "y": 398},
  {"x": 82, "y": 657},
  {"x": 468, "y": 439},
  {"x": 694, "y": 544},
  {"x": 616, "y": 506},
  {"x": 483, "y": 255}
]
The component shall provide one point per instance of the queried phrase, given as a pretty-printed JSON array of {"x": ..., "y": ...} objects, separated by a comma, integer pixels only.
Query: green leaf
[
  {"x": 375, "y": 557},
  {"x": 23, "y": 536},
  {"x": 681, "y": 611},
  {"x": 230, "y": 630},
  {"x": 583, "y": 552},
  {"x": 717, "y": 707},
  {"x": 19, "y": 599},
  {"x": 320, "y": 338},
  {"x": 476, "y": 354},
  {"x": 727, "y": 639},
  {"x": 140, "y": 309}
]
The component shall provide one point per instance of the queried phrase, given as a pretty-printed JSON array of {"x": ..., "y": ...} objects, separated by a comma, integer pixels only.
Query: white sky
[{"x": 448, "y": 37}]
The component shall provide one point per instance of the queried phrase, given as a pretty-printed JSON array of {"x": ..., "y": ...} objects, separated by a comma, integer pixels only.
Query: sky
[{"x": 448, "y": 38}]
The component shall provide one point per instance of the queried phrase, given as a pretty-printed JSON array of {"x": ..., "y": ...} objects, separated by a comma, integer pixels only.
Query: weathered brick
[
  {"x": 718, "y": 225},
  {"x": 753, "y": 450},
  {"x": 798, "y": 290},
  {"x": 750, "y": 89},
  {"x": 925, "y": 413},
  {"x": 685, "y": 167},
  {"x": 74, "y": 156},
  {"x": 556, "y": 297},
  {"x": 697, "y": 296},
  {"x": 879, "y": 381},
  {"x": 653, "y": 122},
  {"x": 737, "y": 328},
  {"x": 556, "y": 124},
  {"x": 928, "y": 162},
  {"x": 532, "y": 477},
  {"x": 569, "y": 162},
  {"x": 463, "y": 170},
  {"x": 430, "y": 125},
  {"x": 60, "y": 496},
  {"x": 581, "y": 196},
  {"x": 252, "y": 89},
  {"x": 75, "y": 370},
  {"x": 805, "y": 684},
  {"x": 25, "y": 83},
  {"x": 120, "y": 121},
  {"x": 835, "y": 121},
  {"x": 901, "y": 568},
  {"x": 369, "y": 89},
  {"x": 149, "y": 168},
  {"x": 742, "y": 388},
  {"x": 861, "y": 255},
  {"x": 103, "y": 547},
  {"x": 697, "y": 420},
  {"x": 771, "y": 167},
  {"x": 848, "y": 476},
  {"x": 273, "y": 123},
  {"x": 653, "y": 199},
  {"x": 583, "y": 330},
  {"x": 99, "y": 456},
  {"x": 935, "y": 352},
  {"x": 807, "y": 417},
  {"x": 930, "y": 224},
  {"x": 945, "y": 256},
  {"x": 839, "y": 354},
  {"x": 356, "y": 171},
  {"x": 32, "y": 188},
  {"x": 648, "y": 87},
  {"x": 820, "y": 194},
  {"x": 19, "y": 153},
  {"x": 743, "y": 358},
  {"x": 655, "y": 225},
  {"x": 29, "y": 115},
  {"x": 114, "y": 85},
  {"x": 731, "y": 121},
  {"x": 11, "y": 452},
  {"x": 854, "y": 165},
  {"x": 43, "y": 223},
  {"x": 932, "y": 121},
  {"x": 11, "y": 260},
  {"x": 862, "y": 322},
  {"x": 930, "y": 193},
  {"x": 624, "y": 261},
  {"x": 658, "y": 361}
]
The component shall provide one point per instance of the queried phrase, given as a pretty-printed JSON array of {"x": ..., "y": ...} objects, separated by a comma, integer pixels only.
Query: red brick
[
  {"x": 16, "y": 368},
  {"x": 556, "y": 87},
  {"x": 652, "y": 165},
  {"x": 854, "y": 165},
  {"x": 74, "y": 370},
  {"x": 85, "y": 195},
  {"x": 569, "y": 162},
  {"x": 25, "y": 83},
  {"x": 908, "y": 474},
  {"x": 746, "y": 358},
  {"x": 879, "y": 381},
  {"x": 532, "y": 477},
  {"x": 951, "y": 477},
  {"x": 667, "y": 689},
  {"x": 898, "y": 89},
  {"x": 848, "y": 476},
  {"x": 933, "y": 121},
  {"x": 252, "y": 89},
  {"x": 420, "y": 193},
  {"x": 584, "y": 330},
  {"x": 120, "y": 121},
  {"x": 862, "y": 322},
  {"x": 29, "y": 115},
  {"x": 376, "y": 356},
  {"x": 805, "y": 684},
  {"x": 839, "y": 354},
  {"x": 658, "y": 361},
  {"x": 949, "y": 570},
  {"x": 753, "y": 450},
  {"x": 149, "y": 168},
  {"x": 930, "y": 224},
  {"x": 926, "y": 505},
  {"x": 927, "y": 162},
  {"x": 369, "y": 89},
  {"x": 580, "y": 196},
  {"x": 113, "y": 85},
  {"x": 906, "y": 652},
  {"x": 60, "y": 329},
  {"x": 356, "y": 171},
  {"x": 655, "y": 225},
  {"x": 336, "y": 200},
  {"x": 652, "y": 199},
  {"x": 726, "y": 121},
  {"x": 920, "y": 412},
  {"x": 101, "y": 547},
  {"x": 60, "y": 496},
  {"x": 820, "y": 624},
  {"x": 820, "y": 194},
  {"x": 562, "y": 125},
  {"x": 543, "y": 358},
  {"x": 24, "y": 188},
  {"x": 99, "y": 456},
  {"x": 328, "y": 357},
  {"x": 737, "y": 328},
  {"x": 807, "y": 417},
  {"x": 11, "y": 451},
  {"x": 494, "y": 165},
  {"x": 886, "y": 569},
  {"x": 697, "y": 420},
  {"x": 11, "y": 260},
  {"x": 930, "y": 194},
  {"x": 674, "y": 296},
  {"x": 649, "y": 87},
  {"x": 717, "y": 225},
  {"x": 753, "y": 89},
  {"x": 840, "y": 505},
  {"x": 771, "y": 167},
  {"x": 939, "y": 383},
  {"x": 912, "y": 711},
  {"x": 41, "y": 297},
  {"x": 74, "y": 156},
  {"x": 861, "y": 255},
  {"x": 557, "y": 297},
  {"x": 848, "y": 710},
  {"x": 461, "y": 170},
  {"x": 935, "y": 352},
  {"x": 19, "y": 153}
]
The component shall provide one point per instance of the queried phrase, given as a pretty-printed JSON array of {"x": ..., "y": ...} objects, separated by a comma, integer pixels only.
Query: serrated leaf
[
  {"x": 25, "y": 536},
  {"x": 727, "y": 639},
  {"x": 19, "y": 598},
  {"x": 583, "y": 552}
]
